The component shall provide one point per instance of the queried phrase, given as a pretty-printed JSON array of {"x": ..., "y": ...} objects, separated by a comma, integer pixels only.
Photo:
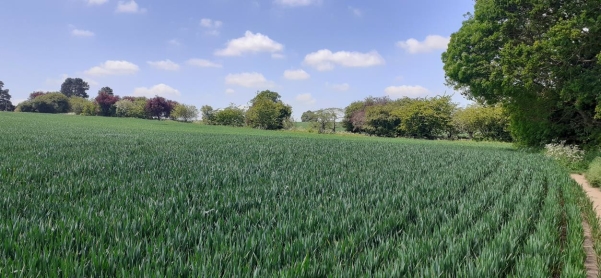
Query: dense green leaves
[
  {"x": 94, "y": 197},
  {"x": 5, "y": 103},
  {"x": 267, "y": 111},
  {"x": 539, "y": 59},
  {"x": 75, "y": 87},
  {"x": 229, "y": 116}
]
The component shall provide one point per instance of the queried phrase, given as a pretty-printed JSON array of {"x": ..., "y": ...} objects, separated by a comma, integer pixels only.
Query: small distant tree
[
  {"x": 90, "y": 109},
  {"x": 158, "y": 107},
  {"x": 230, "y": 116},
  {"x": 106, "y": 103},
  {"x": 5, "y": 103},
  {"x": 324, "y": 120},
  {"x": 123, "y": 107},
  {"x": 172, "y": 105},
  {"x": 77, "y": 104},
  {"x": 75, "y": 87},
  {"x": 134, "y": 107},
  {"x": 307, "y": 116},
  {"x": 184, "y": 112},
  {"x": 208, "y": 114},
  {"x": 51, "y": 103},
  {"x": 107, "y": 90},
  {"x": 267, "y": 111}
]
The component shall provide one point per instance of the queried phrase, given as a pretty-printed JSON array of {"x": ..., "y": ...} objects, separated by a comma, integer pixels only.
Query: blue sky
[{"x": 315, "y": 53}]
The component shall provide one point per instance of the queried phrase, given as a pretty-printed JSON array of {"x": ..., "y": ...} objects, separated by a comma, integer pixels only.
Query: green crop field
[{"x": 93, "y": 197}]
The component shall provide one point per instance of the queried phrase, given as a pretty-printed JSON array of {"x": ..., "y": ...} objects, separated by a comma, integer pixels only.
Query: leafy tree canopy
[{"x": 540, "y": 59}]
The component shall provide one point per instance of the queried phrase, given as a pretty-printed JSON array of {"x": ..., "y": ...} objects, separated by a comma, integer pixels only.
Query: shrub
[
  {"x": 232, "y": 116},
  {"x": 77, "y": 104},
  {"x": 25, "y": 106},
  {"x": 184, "y": 112},
  {"x": 593, "y": 175},
  {"x": 567, "y": 155},
  {"x": 123, "y": 108},
  {"x": 90, "y": 109},
  {"x": 106, "y": 103},
  {"x": 46, "y": 103}
]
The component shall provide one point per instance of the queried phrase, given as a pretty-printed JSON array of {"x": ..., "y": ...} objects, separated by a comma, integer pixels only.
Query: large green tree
[
  {"x": 540, "y": 59},
  {"x": 5, "y": 103},
  {"x": 267, "y": 111},
  {"x": 75, "y": 87}
]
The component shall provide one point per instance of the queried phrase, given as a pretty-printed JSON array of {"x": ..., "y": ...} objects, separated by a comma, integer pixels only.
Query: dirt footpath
[{"x": 594, "y": 195}]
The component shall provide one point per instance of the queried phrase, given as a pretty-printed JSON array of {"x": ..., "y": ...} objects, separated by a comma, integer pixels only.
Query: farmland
[{"x": 92, "y": 196}]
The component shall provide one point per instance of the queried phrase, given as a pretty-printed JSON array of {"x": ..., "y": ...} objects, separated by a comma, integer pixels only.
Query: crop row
[{"x": 129, "y": 200}]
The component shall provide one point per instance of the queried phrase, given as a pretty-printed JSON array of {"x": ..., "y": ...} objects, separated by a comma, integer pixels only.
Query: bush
[
  {"x": 593, "y": 175},
  {"x": 184, "y": 112},
  {"x": 46, "y": 103},
  {"x": 232, "y": 116},
  {"x": 25, "y": 106},
  {"x": 567, "y": 155},
  {"x": 90, "y": 109},
  {"x": 77, "y": 104}
]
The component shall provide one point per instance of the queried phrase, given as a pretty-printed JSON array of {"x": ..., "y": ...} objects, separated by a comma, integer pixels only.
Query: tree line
[
  {"x": 426, "y": 118},
  {"x": 73, "y": 98},
  {"x": 266, "y": 111}
]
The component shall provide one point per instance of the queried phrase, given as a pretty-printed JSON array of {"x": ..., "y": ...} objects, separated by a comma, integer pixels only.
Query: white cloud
[
  {"x": 164, "y": 65},
  {"x": 82, "y": 33},
  {"x": 161, "y": 90},
  {"x": 296, "y": 74},
  {"x": 97, "y": 2},
  {"x": 209, "y": 23},
  {"x": 203, "y": 63},
  {"x": 278, "y": 56},
  {"x": 324, "y": 59},
  {"x": 296, "y": 3},
  {"x": 431, "y": 43},
  {"x": 113, "y": 68},
  {"x": 357, "y": 12},
  {"x": 250, "y": 43},
  {"x": 174, "y": 42},
  {"x": 340, "y": 87},
  {"x": 306, "y": 99},
  {"x": 129, "y": 7},
  {"x": 249, "y": 80},
  {"x": 53, "y": 83},
  {"x": 406, "y": 91},
  {"x": 230, "y": 91}
]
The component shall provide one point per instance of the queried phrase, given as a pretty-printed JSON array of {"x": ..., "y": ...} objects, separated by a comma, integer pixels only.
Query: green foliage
[
  {"x": 184, "y": 112},
  {"x": 267, "y": 111},
  {"x": 132, "y": 107},
  {"x": 25, "y": 106},
  {"x": 593, "y": 174},
  {"x": 308, "y": 116},
  {"x": 75, "y": 87},
  {"x": 230, "y": 116},
  {"x": 207, "y": 114},
  {"x": 46, "y": 103},
  {"x": 5, "y": 103},
  {"x": 90, "y": 109},
  {"x": 544, "y": 69},
  {"x": 483, "y": 123},
  {"x": 427, "y": 118},
  {"x": 323, "y": 120},
  {"x": 149, "y": 198},
  {"x": 77, "y": 104}
]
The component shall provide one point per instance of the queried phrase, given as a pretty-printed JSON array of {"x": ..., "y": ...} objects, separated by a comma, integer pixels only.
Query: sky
[{"x": 314, "y": 53}]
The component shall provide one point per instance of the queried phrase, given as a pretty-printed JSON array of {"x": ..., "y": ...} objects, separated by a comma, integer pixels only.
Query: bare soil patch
[{"x": 594, "y": 195}]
